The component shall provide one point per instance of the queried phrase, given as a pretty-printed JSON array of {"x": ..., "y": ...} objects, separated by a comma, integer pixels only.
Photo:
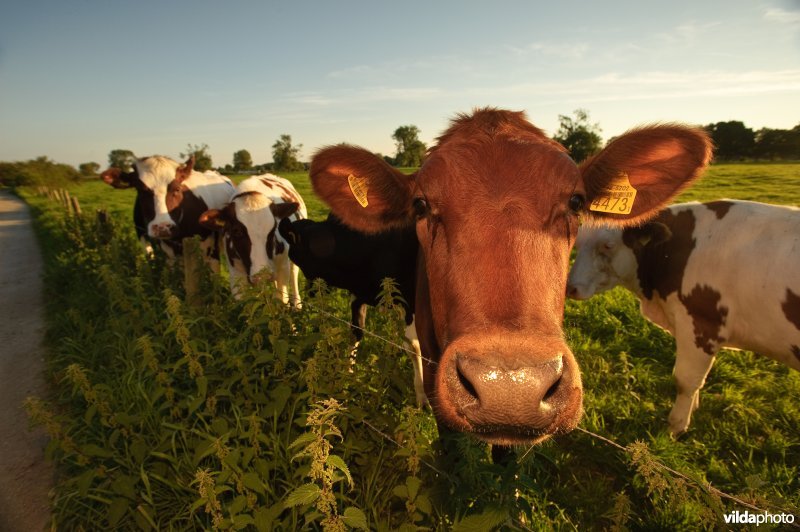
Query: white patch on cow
[
  {"x": 253, "y": 211},
  {"x": 749, "y": 257}
]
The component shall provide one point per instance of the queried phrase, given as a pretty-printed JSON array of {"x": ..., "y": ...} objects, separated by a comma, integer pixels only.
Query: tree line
[{"x": 733, "y": 141}]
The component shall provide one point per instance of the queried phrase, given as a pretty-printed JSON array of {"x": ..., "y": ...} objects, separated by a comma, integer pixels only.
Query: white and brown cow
[
  {"x": 496, "y": 207},
  {"x": 170, "y": 197},
  {"x": 249, "y": 227},
  {"x": 719, "y": 274}
]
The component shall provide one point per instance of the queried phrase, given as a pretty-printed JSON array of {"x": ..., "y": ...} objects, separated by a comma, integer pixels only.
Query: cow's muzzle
[
  {"x": 163, "y": 230},
  {"x": 511, "y": 396}
]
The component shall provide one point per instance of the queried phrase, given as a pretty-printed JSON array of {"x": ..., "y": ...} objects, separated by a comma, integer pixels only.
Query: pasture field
[{"x": 243, "y": 415}]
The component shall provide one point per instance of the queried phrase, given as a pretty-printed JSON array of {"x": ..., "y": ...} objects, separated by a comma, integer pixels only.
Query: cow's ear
[
  {"x": 649, "y": 234},
  {"x": 287, "y": 231},
  {"x": 117, "y": 178},
  {"x": 641, "y": 171},
  {"x": 362, "y": 190},
  {"x": 214, "y": 219},
  {"x": 284, "y": 210},
  {"x": 185, "y": 170}
]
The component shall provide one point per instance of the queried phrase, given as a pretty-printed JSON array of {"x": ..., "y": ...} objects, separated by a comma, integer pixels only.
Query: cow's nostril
[
  {"x": 466, "y": 384},
  {"x": 571, "y": 291},
  {"x": 552, "y": 389}
]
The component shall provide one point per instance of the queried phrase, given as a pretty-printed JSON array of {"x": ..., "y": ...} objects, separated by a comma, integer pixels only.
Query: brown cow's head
[
  {"x": 163, "y": 197},
  {"x": 497, "y": 206}
]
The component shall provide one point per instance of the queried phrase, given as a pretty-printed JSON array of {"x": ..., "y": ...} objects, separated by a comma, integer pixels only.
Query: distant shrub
[{"x": 39, "y": 171}]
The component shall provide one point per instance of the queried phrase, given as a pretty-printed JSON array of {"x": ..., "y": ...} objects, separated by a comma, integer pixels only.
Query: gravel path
[{"x": 25, "y": 476}]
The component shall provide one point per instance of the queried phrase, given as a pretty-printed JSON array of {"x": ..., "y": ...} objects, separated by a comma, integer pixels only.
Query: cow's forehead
[
  {"x": 491, "y": 168},
  {"x": 156, "y": 172},
  {"x": 252, "y": 211}
]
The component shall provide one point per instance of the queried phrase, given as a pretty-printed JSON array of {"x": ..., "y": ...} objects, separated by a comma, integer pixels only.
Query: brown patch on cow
[
  {"x": 237, "y": 240},
  {"x": 186, "y": 214},
  {"x": 791, "y": 308},
  {"x": 661, "y": 264},
  {"x": 184, "y": 171},
  {"x": 720, "y": 207},
  {"x": 708, "y": 316},
  {"x": 289, "y": 196}
]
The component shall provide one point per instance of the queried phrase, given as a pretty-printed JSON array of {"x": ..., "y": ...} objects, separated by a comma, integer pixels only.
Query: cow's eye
[
  {"x": 576, "y": 202},
  {"x": 421, "y": 207}
]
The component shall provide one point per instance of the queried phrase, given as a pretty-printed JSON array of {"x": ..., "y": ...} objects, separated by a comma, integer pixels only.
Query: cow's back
[
  {"x": 212, "y": 187},
  {"x": 358, "y": 262},
  {"x": 740, "y": 285}
]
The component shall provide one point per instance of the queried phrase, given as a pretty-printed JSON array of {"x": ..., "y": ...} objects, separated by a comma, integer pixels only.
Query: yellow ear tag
[
  {"x": 617, "y": 198},
  {"x": 359, "y": 187}
]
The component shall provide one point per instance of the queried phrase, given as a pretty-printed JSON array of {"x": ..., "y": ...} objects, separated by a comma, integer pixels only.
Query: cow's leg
[
  {"x": 358, "y": 319},
  {"x": 149, "y": 252},
  {"x": 282, "y": 279},
  {"x": 419, "y": 388},
  {"x": 692, "y": 365},
  {"x": 294, "y": 297},
  {"x": 169, "y": 251}
]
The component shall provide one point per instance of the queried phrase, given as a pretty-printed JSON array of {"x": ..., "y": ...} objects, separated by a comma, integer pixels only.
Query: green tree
[
  {"x": 578, "y": 135},
  {"x": 284, "y": 155},
  {"x": 732, "y": 140},
  {"x": 121, "y": 159},
  {"x": 202, "y": 159},
  {"x": 775, "y": 144},
  {"x": 242, "y": 161},
  {"x": 89, "y": 169},
  {"x": 410, "y": 150}
]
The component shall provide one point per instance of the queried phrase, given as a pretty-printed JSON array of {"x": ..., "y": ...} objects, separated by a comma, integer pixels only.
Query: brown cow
[{"x": 497, "y": 206}]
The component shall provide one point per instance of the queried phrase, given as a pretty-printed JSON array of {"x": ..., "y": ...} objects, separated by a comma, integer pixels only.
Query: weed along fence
[
  {"x": 175, "y": 406},
  {"x": 192, "y": 263}
]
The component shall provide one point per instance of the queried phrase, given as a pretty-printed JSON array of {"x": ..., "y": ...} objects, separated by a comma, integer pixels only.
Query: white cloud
[
  {"x": 570, "y": 51},
  {"x": 688, "y": 33},
  {"x": 782, "y": 16}
]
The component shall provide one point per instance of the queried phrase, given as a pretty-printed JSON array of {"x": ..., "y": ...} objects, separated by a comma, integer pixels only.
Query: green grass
[
  {"x": 766, "y": 182},
  {"x": 130, "y": 439}
]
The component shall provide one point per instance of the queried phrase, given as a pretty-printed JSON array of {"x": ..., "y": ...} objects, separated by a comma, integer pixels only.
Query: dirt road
[{"x": 25, "y": 477}]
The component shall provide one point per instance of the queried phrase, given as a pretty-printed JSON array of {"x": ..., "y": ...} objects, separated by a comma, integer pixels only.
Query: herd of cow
[{"x": 479, "y": 242}]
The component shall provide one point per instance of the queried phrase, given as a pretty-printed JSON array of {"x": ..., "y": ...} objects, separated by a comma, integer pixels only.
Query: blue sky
[{"x": 79, "y": 78}]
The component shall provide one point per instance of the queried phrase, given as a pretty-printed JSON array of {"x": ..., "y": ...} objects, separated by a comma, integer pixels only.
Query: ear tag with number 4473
[{"x": 617, "y": 198}]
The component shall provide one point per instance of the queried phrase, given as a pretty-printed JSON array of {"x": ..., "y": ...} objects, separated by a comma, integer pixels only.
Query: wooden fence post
[
  {"x": 192, "y": 271},
  {"x": 67, "y": 203},
  {"x": 76, "y": 206}
]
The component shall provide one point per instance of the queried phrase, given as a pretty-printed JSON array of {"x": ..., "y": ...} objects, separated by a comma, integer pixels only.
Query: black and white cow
[
  {"x": 249, "y": 227},
  {"x": 170, "y": 197},
  {"x": 719, "y": 274},
  {"x": 358, "y": 263}
]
